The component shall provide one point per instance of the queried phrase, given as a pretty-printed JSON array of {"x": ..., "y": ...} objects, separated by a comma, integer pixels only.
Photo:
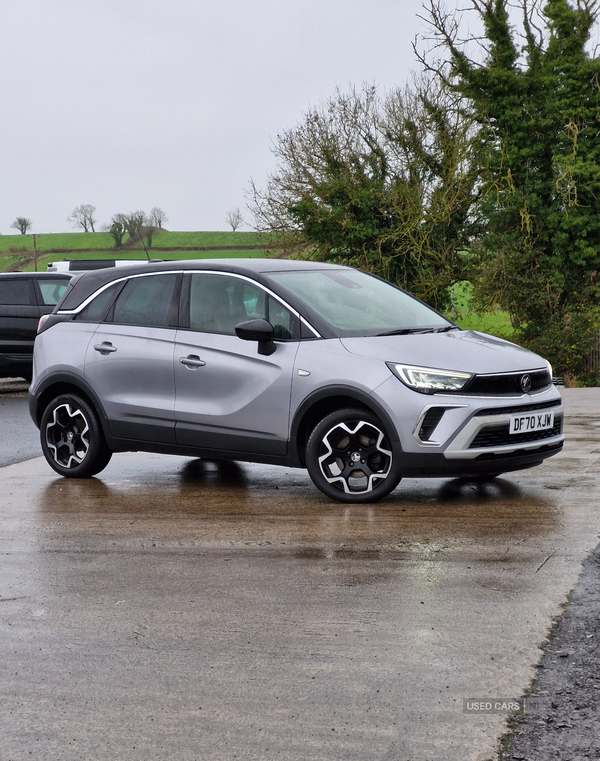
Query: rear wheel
[
  {"x": 349, "y": 457},
  {"x": 72, "y": 438}
]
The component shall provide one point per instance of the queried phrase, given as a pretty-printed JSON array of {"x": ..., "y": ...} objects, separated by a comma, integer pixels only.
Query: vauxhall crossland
[{"x": 301, "y": 364}]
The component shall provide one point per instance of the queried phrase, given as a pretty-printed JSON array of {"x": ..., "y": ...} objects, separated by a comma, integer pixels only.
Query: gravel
[{"x": 562, "y": 714}]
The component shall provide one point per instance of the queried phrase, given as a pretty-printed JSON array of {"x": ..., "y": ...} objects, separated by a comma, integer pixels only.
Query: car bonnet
[{"x": 460, "y": 350}]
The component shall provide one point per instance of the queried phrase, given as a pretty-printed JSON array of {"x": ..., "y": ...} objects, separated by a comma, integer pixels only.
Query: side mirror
[{"x": 257, "y": 330}]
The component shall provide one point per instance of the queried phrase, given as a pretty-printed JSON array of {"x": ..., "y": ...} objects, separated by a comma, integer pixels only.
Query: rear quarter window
[{"x": 96, "y": 309}]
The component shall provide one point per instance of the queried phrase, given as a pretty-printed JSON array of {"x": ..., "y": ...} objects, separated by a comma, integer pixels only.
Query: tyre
[
  {"x": 349, "y": 457},
  {"x": 72, "y": 438}
]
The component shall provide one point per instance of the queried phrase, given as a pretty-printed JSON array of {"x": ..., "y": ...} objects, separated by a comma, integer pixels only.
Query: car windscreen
[{"x": 357, "y": 304}]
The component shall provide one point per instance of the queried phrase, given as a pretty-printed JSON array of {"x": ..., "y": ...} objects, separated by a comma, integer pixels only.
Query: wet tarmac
[{"x": 178, "y": 609}]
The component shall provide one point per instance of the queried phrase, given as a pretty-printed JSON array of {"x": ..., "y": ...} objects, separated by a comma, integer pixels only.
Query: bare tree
[
  {"x": 134, "y": 221},
  {"x": 22, "y": 224},
  {"x": 148, "y": 232},
  {"x": 83, "y": 217},
  {"x": 135, "y": 224},
  {"x": 116, "y": 228},
  {"x": 234, "y": 219},
  {"x": 385, "y": 184},
  {"x": 157, "y": 217}
]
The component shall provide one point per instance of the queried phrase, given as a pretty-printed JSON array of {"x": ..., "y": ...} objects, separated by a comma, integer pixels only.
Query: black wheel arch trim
[
  {"x": 77, "y": 383},
  {"x": 352, "y": 394}
]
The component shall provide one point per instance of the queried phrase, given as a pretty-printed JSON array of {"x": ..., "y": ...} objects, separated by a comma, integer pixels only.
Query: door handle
[
  {"x": 105, "y": 347},
  {"x": 192, "y": 361}
]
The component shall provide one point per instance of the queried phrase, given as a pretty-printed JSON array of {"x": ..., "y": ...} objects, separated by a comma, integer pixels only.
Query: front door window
[{"x": 220, "y": 302}]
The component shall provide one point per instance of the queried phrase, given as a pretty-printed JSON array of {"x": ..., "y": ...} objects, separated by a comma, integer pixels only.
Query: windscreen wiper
[{"x": 407, "y": 331}]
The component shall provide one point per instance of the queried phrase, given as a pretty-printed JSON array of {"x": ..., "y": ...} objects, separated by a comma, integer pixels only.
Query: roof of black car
[
  {"x": 86, "y": 284},
  {"x": 39, "y": 275}
]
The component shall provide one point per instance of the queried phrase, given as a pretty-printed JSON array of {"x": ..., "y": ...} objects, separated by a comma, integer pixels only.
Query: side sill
[{"x": 129, "y": 445}]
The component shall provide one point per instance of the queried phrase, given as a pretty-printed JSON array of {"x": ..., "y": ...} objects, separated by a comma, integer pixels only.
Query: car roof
[
  {"x": 84, "y": 285},
  {"x": 39, "y": 275}
]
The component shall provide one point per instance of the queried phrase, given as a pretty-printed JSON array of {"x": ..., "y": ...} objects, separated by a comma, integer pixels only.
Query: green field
[
  {"x": 140, "y": 256},
  {"x": 165, "y": 239},
  {"x": 17, "y": 252},
  {"x": 71, "y": 241},
  {"x": 202, "y": 239},
  {"x": 495, "y": 321}
]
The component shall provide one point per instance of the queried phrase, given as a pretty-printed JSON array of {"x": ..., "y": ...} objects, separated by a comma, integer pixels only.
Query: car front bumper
[{"x": 451, "y": 433}]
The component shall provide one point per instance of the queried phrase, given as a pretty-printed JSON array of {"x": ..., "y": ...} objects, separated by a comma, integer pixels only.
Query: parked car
[
  {"x": 84, "y": 265},
  {"x": 24, "y": 298},
  {"x": 299, "y": 364}
]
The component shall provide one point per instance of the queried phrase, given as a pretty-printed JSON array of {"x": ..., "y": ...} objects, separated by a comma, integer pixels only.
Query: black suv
[{"x": 24, "y": 298}]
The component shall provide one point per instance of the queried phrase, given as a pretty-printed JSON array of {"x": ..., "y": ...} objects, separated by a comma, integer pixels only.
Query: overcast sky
[{"x": 130, "y": 104}]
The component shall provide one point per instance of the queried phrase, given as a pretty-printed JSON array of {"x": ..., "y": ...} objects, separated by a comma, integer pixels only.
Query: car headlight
[{"x": 428, "y": 380}]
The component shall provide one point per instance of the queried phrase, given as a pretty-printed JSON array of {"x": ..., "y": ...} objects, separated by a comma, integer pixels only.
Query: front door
[{"x": 228, "y": 396}]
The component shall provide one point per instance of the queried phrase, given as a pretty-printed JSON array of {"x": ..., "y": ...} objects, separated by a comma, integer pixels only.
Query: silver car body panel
[
  {"x": 234, "y": 394},
  {"x": 133, "y": 375},
  {"x": 459, "y": 350},
  {"x": 61, "y": 349}
]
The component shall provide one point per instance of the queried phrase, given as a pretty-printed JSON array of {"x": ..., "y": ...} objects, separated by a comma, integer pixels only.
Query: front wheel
[
  {"x": 349, "y": 457},
  {"x": 72, "y": 438}
]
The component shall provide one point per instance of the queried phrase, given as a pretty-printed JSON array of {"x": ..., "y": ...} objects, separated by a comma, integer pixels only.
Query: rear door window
[
  {"x": 146, "y": 300},
  {"x": 16, "y": 291}
]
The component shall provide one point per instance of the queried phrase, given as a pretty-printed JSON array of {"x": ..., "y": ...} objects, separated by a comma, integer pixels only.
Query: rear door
[
  {"x": 228, "y": 396},
  {"x": 129, "y": 361}
]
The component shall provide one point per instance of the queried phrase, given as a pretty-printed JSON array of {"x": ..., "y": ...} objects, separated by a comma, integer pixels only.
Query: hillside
[{"x": 17, "y": 251}]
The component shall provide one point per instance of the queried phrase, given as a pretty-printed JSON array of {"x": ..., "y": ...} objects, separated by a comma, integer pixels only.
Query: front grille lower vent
[
  {"x": 498, "y": 435},
  {"x": 430, "y": 422}
]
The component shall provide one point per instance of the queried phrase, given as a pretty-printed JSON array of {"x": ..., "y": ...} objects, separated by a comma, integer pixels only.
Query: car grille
[
  {"x": 498, "y": 435},
  {"x": 509, "y": 383},
  {"x": 518, "y": 408}
]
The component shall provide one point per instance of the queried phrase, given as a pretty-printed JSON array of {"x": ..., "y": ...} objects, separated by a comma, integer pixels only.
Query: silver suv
[{"x": 292, "y": 363}]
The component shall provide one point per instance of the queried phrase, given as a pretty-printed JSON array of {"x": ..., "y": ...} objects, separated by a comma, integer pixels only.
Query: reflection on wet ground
[
  {"x": 261, "y": 502},
  {"x": 216, "y": 610}
]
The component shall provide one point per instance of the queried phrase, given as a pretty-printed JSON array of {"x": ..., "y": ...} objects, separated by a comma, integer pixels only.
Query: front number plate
[{"x": 535, "y": 421}]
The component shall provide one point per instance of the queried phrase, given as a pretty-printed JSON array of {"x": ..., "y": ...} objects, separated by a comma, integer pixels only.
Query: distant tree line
[
  {"x": 83, "y": 217},
  {"x": 136, "y": 224}
]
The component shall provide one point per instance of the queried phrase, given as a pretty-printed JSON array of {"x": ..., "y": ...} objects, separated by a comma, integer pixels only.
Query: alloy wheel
[
  {"x": 68, "y": 435},
  {"x": 356, "y": 457}
]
